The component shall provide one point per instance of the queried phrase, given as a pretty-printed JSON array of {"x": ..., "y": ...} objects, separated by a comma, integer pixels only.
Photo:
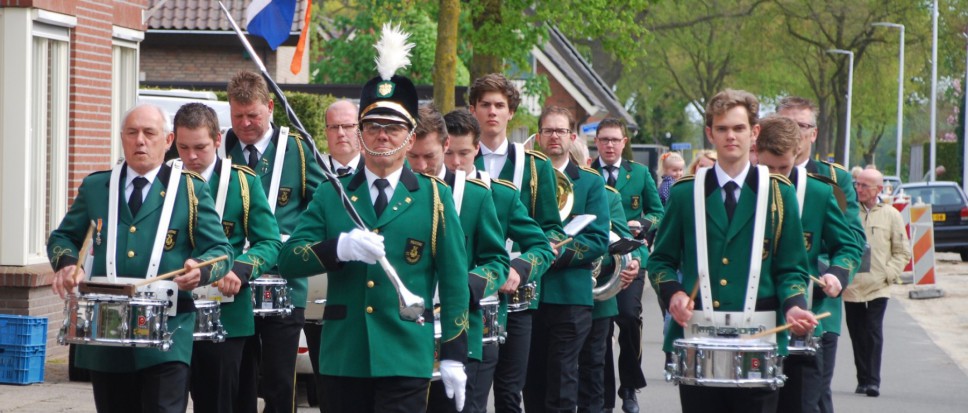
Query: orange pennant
[{"x": 297, "y": 57}]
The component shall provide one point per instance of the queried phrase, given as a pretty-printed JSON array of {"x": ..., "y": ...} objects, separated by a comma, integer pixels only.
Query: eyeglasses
[
  {"x": 339, "y": 128},
  {"x": 806, "y": 126},
  {"x": 608, "y": 141},
  {"x": 862, "y": 185},
  {"x": 392, "y": 129},
  {"x": 551, "y": 131}
]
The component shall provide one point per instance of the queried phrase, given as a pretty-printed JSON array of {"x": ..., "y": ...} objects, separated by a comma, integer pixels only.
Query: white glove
[
  {"x": 359, "y": 245},
  {"x": 455, "y": 381}
]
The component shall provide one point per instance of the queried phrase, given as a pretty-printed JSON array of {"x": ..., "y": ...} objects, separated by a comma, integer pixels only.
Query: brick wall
[
  {"x": 26, "y": 291},
  {"x": 179, "y": 63},
  {"x": 560, "y": 97}
]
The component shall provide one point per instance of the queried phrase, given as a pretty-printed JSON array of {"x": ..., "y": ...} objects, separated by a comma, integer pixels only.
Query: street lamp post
[
  {"x": 850, "y": 93},
  {"x": 934, "y": 90},
  {"x": 900, "y": 93}
]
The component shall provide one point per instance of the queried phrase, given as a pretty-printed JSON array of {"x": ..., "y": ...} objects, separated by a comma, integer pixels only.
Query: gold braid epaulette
[
  {"x": 192, "y": 206},
  {"x": 244, "y": 191},
  {"x": 243, "y": 168},
  {"x": 534, "y": 186},
  {"x": 478, "y": 182},
  {"x": 508, "y": 184},
  {"x": 777, "y": 210},
  {"x": 302, "y": 163},
  {"x": 587, "y": 169}
]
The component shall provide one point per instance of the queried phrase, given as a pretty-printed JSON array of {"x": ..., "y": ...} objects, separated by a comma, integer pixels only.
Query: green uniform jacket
[
  {"x": 536, "y": 255},
  {"x": 842, "y": 178},
  {"x": 246, "y": 216},
  {"x": 363, "y": 334},
  {"x": 569, "y": 279},
  {"x": 619, "y": 225},
  {"x": 487, "y": 260},
  {"x": 538, "y": 190},
  {"x": 783, "y": 277},
  {"x": 194, "y": 232},
  {"x": 298, "y": 183},
  {"x": 825, "y": 228},
  {"x": 640, "y": 197}
]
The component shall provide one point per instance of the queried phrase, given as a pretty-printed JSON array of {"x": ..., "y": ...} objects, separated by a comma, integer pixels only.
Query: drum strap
[
  {"x": 223, "y": 186},
  {"x": 277, "y": 165},
  {"x": 460, "y": 181},
  {"x": 702, "y": 249},
  {"x": 519, "y": 156},
  {"x": 801, "y": 195},
  {"x": 484, "y": 177}
]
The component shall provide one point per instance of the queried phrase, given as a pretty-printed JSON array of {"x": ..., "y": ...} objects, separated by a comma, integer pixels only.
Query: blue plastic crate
[
  {"x": 22, "y": 364},
  {"x": 21, "y": 330}
]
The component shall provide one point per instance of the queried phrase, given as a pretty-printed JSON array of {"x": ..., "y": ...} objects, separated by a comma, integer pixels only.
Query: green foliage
[
  {"x": 310, "y": 109},
  {"x": 947, "y": 155}
]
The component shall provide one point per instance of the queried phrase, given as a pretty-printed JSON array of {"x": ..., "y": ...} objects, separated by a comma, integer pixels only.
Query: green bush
[
  {"x": 310, "y": 109},
  {"x": 947, "y": 155}
]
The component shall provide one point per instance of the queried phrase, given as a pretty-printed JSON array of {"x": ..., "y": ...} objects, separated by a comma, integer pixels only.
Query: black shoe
[
  {"x": 607, "y": 410},
  {"x": 861, "y": 389},
  {"x": 629, "y": 403},
  {"x": 873, "y": 390}
]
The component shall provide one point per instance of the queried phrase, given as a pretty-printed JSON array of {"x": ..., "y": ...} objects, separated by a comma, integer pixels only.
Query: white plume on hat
[{"x": 392, "y": 51}]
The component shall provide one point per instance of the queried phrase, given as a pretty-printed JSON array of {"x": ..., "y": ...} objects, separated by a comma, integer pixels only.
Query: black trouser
[
  {"x": 556, "y": 339},
  {"x": 698, "y": 399},
  {"x": 865, "y": 322},
  {"x": 804, "y": 384},
  {"x": 371, "y": 395},
  {"x": 438, "y": 402},
  {"x": 157, "y": 389},
  {"x": 828, "y": 345},
  {"x": 591, "y": 367},
  {"x": 269, "y": 360},
  {"x": 512, "y": 363},
  {"x": 629, "y": 321},
  {"x": 314, "y": 332},
  {"x": 477, "y": 395},
  {"x": 215, "y": 375}
]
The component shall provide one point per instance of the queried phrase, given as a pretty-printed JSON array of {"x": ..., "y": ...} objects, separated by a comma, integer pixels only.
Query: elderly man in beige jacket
[{"x": 865, "y": 299}]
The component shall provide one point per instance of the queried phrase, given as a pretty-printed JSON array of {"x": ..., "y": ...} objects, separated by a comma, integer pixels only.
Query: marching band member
[
  {"x": 130, "y": 379},
  {"x": 245, "y": 213},
  {"x": 804, "y": 112},
  {"x": 563, "y": 320},
  {"x": 464, "y": 134},
  {"x": 493, "y": 101},
  {"x": 486, "y": 257},
  {"x": 640, "y": 197},
  {"x": 344, "y": 150},
  {"x": 370, "y": 358},
  {"x": 825, "y": 227},
  {"x": 284, "y": 164},
  {"x": 733, "y": 191}
]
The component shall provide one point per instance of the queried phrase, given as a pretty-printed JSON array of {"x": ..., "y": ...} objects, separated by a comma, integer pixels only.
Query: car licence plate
[{"x": 938, "y": 217}]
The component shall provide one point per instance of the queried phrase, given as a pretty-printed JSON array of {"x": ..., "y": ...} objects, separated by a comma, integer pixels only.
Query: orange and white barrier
[
  {"x": 902, "y": 203},
  {"x": 922, "y": 244}
]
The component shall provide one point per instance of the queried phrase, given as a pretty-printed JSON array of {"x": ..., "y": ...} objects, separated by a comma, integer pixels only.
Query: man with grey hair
[
  {"x": 130, "y": 379},
  {"x": 344, "y": 149}
]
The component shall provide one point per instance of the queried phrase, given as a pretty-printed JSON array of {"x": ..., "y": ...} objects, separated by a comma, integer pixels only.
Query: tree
[{"x": 445, "y": 57}]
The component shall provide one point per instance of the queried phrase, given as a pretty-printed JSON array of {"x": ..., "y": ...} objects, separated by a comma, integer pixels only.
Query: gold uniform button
[
  {"x": 715, "y": 304},
  {"x": 723, "y": 282},
  {"x": 725, "y": 261},
  {"x": 376, "y": 230},
  {"x": 369, "y": 310},
  {"x": 130, "y": 254},
  {"x": 133, "y": 229},
  {"x": 370, "y": 284}
]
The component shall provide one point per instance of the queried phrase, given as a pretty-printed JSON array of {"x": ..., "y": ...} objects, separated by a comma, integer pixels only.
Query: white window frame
[
  {"x": 33, "y": 163},
  {"x": 124, "y": 81}
]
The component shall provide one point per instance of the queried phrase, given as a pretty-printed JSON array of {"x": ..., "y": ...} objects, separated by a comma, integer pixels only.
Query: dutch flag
[{"x": 270, "y": 19}]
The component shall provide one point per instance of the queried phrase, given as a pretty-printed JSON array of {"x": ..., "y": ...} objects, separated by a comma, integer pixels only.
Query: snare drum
[
  {"x": 803, "y": 345},
  {"x": 208, "y": 323},
  {"x": 492, "y": 326},
  {"x": 522, "y": 297},
  {"x": 116, "y": 320},
  {"x": 270, "y": 297},
  {"x": 725, "y": 362}
]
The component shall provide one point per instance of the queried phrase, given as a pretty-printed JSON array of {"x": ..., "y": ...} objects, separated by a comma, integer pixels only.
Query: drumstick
[
  {"x": 819, "y": 282},
  {"x": 562, "y": 242},
  {"x": 695, "y": 290},
  {"x": 181, "y": 271},
  {"x": 81, "y": 255},
  {"x": 785, "y": 327}
]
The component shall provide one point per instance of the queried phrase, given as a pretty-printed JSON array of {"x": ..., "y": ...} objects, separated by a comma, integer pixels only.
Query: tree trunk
[
  {"x": 482, "y": 64},
  {"x": 445, "y": 58}
]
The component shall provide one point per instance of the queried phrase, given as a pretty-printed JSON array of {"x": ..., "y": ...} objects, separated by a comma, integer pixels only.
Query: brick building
[{"x": 68, "y": 70}]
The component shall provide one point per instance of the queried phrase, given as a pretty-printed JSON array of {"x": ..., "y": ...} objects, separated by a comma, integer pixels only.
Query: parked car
[
  {"x": 949, "y": 211},
  {"x": 171, "y": 100}
]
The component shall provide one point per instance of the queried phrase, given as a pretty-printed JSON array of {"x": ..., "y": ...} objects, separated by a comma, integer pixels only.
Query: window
[
  {"x": 33, "y": 129},
  {"x": 124, "y": 84}
]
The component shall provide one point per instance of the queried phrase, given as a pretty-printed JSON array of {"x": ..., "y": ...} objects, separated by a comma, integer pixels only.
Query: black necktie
[
  {"x": 610, "y": 179},
  {"x": 730, "y": 190},
  {"x": 344, "y": 171},
  {"x": 253, "y": 156},
  {"x": 135, "y": 201},
  {"x": 381, "y": 196}
]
